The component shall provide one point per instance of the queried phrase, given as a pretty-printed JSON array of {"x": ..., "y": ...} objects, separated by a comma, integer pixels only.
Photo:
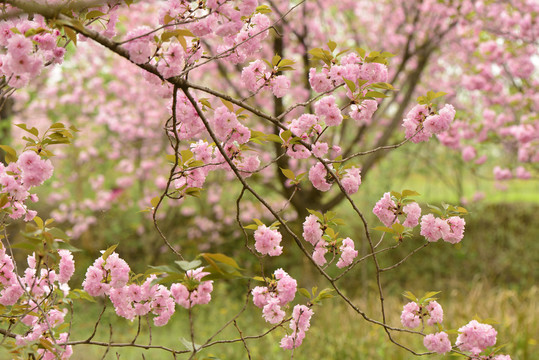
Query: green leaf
[
  {"x": 222, "y": 258},
  {"x": 258, "y": 222},
  {"x": 288, "y": 173},
  {"x": 3, "y": 200},
  {"x": 326, "y": 294},
  {"x": 332, "y": 45},
  {"x": 304, "y": 292},
  {"x": 251, "y": 227},
  {"x": 109, "y": 251},
  {"x": 155, "y": 201},
  {"x": 406, "y": 193},
  {"x": 58, "y": 234},
  {"x": 396, "y": 195},
  {"x": 351, "y": 85},
  {"x": 382, "y": 85},
  {"x": 274, "y": 138},
  {"x": 39, "y": 222},
  {"x": 409, "y": 295},
  {"x": 228, "y": 104},
  {"x": 189, "y": 345},
  {"x": 263, "y": 9},
  {"x": 71, "y": 34},
  {"x": 188, "y": 265},
  {"x": 399, "y": 228},
  {"x": 205, "y": 102},
  {"x": 375, "y": 94},
  {"x": 286, "y": 62},
  {"x": 167, "y": 269},
  {"x": 177, "y": 33},
  {"x": 11, "y": 154},
  {"x": 387, "y": 54},
  {"x": 186, "y": 155},
  {"x": 275, "y": 60},
  {"x": 317, "y": 214},
  {"x": 32, "y": 131},
  {"x": 384, "y": 229},
  {"x": 67, "y": 246},
  {"x": 285, "y": 135},
  {"x": 428, "y": 295},
  {"x": 94, "y": 14},
  {"x": 361, "y": 52}
]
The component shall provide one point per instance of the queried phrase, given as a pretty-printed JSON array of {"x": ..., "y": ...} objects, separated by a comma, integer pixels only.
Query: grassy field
[{"x": 337, "y": 332}]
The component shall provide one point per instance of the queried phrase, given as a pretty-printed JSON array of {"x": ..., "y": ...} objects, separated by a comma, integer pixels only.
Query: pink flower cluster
[
  {"x": 267, "y": 241},
  {"x": 438, "y": 342},
  {"x": 412, "y": 314},
  {"x": 238, "y": 46},
  {"x": 272, "y": 298},
  {"x": 193, "y": 291},
  {"x": 318, "y": 176},
  {"x": 450, "y": 230},
  {"x": 228, "y": 128},
  {"x": 300, "y": 323},
  {"x": 351, "y": 180},
  {"x": 305, "y": 126},
  {"x": 312, "y": 232},
  {"x": 348, "y": 253},
  {"x": 387, "y": 211},
  {"x": 22, "y": 60},
  {"x": 352, "y": 68},
  {"x": 140, "y": 46},
  {"x": 10, "y": 291},
  {"x": 19, "y": 177},
  {"x": 327, "y": 109},
  {"x": 362, "y": 113},
  {"x": 43, "y": 320},
  {"x": 138, "y": 300},
  {"x": 110, "y": 277},
  {"x": 420, "y": 124},
  {"x": 255, "y": 76},
  {"x": 476, "y": 337},
  {"x": 104, "y": 275}
]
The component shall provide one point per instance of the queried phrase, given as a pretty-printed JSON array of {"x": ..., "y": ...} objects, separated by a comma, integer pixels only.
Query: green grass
[{"x": 337, "y": 332}]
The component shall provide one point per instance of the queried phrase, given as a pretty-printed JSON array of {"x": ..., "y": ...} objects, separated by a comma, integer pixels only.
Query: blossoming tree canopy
[{"x": 285, "y": 106}]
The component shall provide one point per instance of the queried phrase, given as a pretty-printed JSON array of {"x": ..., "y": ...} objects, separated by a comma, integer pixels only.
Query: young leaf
[
  {"x": 288, "y": 173},
  {"x": 109, "y": 251}
]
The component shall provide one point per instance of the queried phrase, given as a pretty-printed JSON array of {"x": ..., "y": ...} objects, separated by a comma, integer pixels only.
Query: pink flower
[
  {"x": 476, "y": 337},
  {"x": 279, "y": 85},
  {"x": 272, "y": 312},
  {"x": 410, "y": 315},
  {"x": 311, "y": 230},
  {"x": 456, "y": 233},
  {"x": 351, "y": 180},
  {"x": 255, "y": 75},
  {"x": 438, "y": 342},
  {"x": 300, "y": 323},
  {"x": 67, "y": 266},
  {"x": 413, "y": 212},
  {"x": 413, "y": 124},
  {"x": 317, "y": 176},
  {"x": 436, "y": 313},
  {"x": 468, "y": 153},
  {"x": 385, "y": 210},
  {"x": 348, "y": 254},
  {"x": 267, "y": 241},
  {"x": 319, "y": 253},
  {"x": 327, "y": 109},
  {"x": 362, "y": 113}
]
